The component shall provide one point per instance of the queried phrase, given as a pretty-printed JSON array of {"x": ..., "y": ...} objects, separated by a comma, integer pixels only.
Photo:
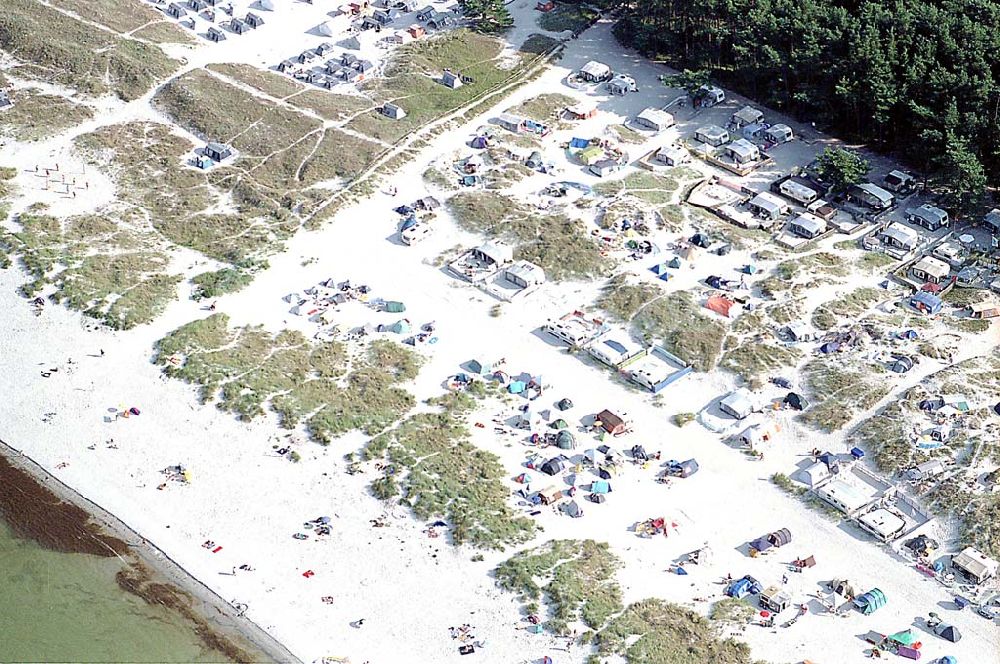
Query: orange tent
[{"x": 719, "y": 304}]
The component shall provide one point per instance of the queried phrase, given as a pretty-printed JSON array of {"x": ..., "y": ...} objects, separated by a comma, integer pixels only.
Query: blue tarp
[{"x": 579, "y": 143}]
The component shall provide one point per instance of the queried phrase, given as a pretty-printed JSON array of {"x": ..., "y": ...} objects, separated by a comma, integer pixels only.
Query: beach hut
[
  {"x": 871, "y": 601},
  {"x": 611, "y": 423}
]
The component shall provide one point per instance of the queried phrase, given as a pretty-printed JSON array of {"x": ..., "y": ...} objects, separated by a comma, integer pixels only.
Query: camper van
[
  {"x": 798, "y": 192},
  {"x": 709, "y": 95}
]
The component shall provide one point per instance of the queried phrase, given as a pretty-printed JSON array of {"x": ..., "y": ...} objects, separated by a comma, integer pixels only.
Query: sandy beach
[{"x": 226, "y": 535}]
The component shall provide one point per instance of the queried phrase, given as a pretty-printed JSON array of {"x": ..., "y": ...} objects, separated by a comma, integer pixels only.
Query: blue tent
[
  {"x": 409, "y": 222},
  {"x": 909, "y": 334},
  {"x": 579, "y": 143},
  {"x": 947, "y": 659},
  {"x": 480, "y": 367},
  {"x": 761, "y": 544},
  {"x": 857, "y": 453},
  {"x": 714, "y": 281},
  {"x": 600, "y": 486},
  {"x": 871, "y": 601},
  {"x": 665, "y": 276},
  {"x": 680, "y": 571},
  {"x": 480, "y": 142},
  {"x": 516, "y": 386},
  {"x": 750, "y": 269},
  {"x": 659, "y": 269},
  {"x": 829, "y": 347},
  {"x": 404, "y": 210},
  {"x": 401, "y": 326}
]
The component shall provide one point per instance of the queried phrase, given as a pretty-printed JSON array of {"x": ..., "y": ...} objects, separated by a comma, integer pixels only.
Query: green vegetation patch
[
  {"x": 731, "y": 610},
  {"x": 411, "y": 75},
  {"x": 107, "y": 268},
  {"x": 752, "y": 359},
  {"x": 329, "y": 105},
  {"x": 851, "y": 305},
  {"x": 819, "y": 263},
  {"x": 557, "y": 243},
  {"x": 56, "y": 48},
  {"x": 147, "y": 161},
  {"x": 36, "y": 116},
  {"x": 655, "y": 632},
  {"x": 839, "y": 393},
  {"x": 886, "y": 437},
  {"x": 575, "y": 17},
  {"x": 262, "y": 80},
  {"x": 439, "y": 473},
  {"x": 544, "y": 107},
  {"x": 675, "y": 320},
  {"x": 226, "y": 280},
  {"x": 164, "y": 32},
  {"x": 318, "y": 385},
  {"x": 114, "y": 14},
  {"x": 575, "y": 577},
  {"x": 222, "y": 112},
  {"x": 627, "y": 134}
]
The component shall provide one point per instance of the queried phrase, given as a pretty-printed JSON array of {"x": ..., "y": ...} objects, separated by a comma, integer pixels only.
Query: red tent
[{"x": 719, "y": 304}]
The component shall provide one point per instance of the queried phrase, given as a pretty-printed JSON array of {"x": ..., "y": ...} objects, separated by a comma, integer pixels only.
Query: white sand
[{"x": 409, "y": 588}]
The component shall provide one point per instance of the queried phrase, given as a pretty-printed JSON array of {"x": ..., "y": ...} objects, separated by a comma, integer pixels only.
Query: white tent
[
  {"x": 324, "y": 29},
  {"x": 267, "y": 5}
]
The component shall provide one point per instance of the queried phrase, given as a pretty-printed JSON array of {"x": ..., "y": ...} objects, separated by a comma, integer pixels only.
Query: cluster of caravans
[{"x": 651, "y": 367}]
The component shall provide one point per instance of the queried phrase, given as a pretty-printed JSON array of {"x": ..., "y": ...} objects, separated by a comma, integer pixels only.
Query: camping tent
[
  {"x": 394, "y": 307},
  {"x": 682, "y": 468},
  {"x": 517, "y": 386},
  {"x": 553, "y": 466},
  {"x": 572, "y": 509},
  {"x": 795, "y": 401},
  {"x": 559, "y": 424},
  {"x": 401, "y": 326},
  {"x": 480, "y": 367},
  {"x": 780, "y": 537},
  {"x": 600, "y": 486},
  {"x": 564, "y": 404},
  {"x": 906, "y": 637},
  {"x": 948, "y": 632},
  {"x": 565, "y": 440},
  {"x": 719, "y": 304},
  {"x": 871, "y": 601},
  {"x": 639, "y": 453}
]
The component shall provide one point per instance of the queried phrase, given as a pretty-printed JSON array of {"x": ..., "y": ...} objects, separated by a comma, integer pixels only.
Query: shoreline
[{"x": 218, "y": 624}]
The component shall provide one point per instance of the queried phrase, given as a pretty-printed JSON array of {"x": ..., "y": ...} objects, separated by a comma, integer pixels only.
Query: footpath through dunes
[{"x": 177, "y": 614}]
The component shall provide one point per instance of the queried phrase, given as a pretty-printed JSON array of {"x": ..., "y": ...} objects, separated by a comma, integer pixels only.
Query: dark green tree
[
  {"x": 842, "y": 168},
  {"x": 488, "y": 16},
  {"x": 960, "y": 176}
]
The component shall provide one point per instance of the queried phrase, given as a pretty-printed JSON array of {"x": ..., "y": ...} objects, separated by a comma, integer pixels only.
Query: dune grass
[
  {"x": 36, "y": 116},
  {"x": 655, "y": 632},
  {"x": 849, "y": 306},
  {"x": 576, "y": 579},
  {"x": 262, "y": 80},
  {"x": 557, "y": 243},
  {"x": 53, "y": 47},
  {"x": 753, "y": 359},
  {"x": 317, "y": 385},
  {"x": 410, "y": 80},
  {"x": 329, "y": 105},
  {"x": 839, "y": 393},
  {"x": 107, "y": 268},
  {"x": 222, "y": 112},
  {"x": 545, "y": 107},
  {"x": 436, "y": 471},
  {"x": 674, "y": 320}
]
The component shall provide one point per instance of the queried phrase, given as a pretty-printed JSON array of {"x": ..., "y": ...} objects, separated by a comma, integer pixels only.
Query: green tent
[
  {"x": 871, "y": 601},
  {"x": 906, "y": 637},
  {"x": 559, "y": 424},
  {"x": 590, "y": 155},
  {"x": 395, "y": 307}
]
